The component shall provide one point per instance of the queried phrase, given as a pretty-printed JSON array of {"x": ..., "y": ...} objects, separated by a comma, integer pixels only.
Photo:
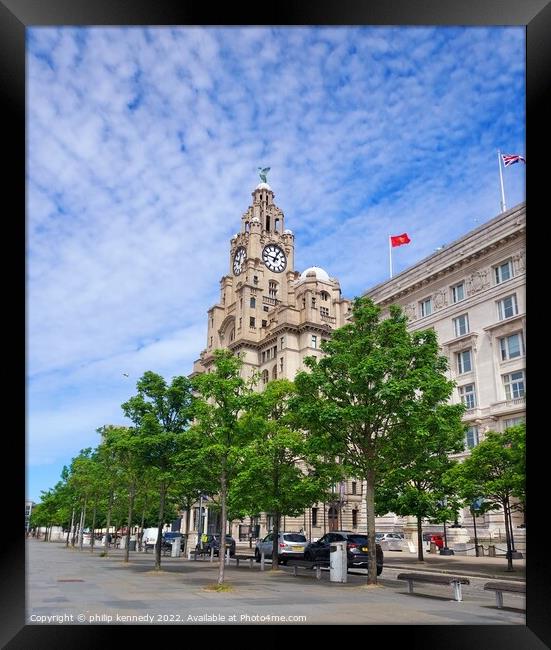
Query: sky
[{"x": 143, "y": 146}]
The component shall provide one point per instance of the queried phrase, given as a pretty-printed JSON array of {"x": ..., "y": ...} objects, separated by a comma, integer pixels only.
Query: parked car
[
  {"x": 290, "y": 545},
  {"x": 435, "y": 538},
  {"x": 381, "y": 537},
  {"x": 356, "y": 549},
  {"x": 213, "y": 541}
]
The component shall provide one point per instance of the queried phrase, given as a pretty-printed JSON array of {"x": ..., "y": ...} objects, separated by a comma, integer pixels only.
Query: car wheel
[{"x": 257, "y": 556}]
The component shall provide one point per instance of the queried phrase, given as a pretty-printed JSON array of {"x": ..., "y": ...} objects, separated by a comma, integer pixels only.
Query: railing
[
  {"x": 270, "y": 301},
  {"x": 328, "y": 319}
]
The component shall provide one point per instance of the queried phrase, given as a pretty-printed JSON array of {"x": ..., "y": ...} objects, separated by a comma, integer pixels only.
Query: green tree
[
  {"x": 374, "y": 378},
  {"x": 495, "y": 471},
  {"x": 419, "y": 459},
  {"x": 161, "y": 413},
  {"x": 279, "y": 472},
  {"x": 222, "y": 398}
]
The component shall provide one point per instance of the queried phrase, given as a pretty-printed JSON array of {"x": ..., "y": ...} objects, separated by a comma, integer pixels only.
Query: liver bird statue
[{"x": 262, "y": 171}]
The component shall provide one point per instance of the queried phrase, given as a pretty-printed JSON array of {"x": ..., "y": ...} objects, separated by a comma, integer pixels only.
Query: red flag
[{"x": 398, "y": 240}]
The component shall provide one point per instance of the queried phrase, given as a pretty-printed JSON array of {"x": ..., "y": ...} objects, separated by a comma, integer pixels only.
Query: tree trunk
[
  {"x": 73, "y": 538},
  {"x": 130, "y": 508},
  {"x": 81, "y": 531},
  {"x": 222, "y": 545},
  {"x": 370, "y": 512},
  {"x": 420, "y": 557},
  {"x": 93, "y": 529},
  {"x": 70, "y": 528},
  {"x": 275, "y": 541},
  {"x": 140, "y": 532},
  {"x": 505, "y": 506},
  {"x": 160, "y": 528},
  {"x": 108, "y": 524}
]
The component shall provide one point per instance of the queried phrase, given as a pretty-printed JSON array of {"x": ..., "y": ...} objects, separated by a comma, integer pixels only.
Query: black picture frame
[{"x": 17, "y": 15}]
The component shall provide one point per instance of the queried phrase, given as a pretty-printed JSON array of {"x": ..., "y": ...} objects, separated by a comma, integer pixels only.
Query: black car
[
  {"x": 356, "y": 549},
  {"x": 213, "y": 541}
]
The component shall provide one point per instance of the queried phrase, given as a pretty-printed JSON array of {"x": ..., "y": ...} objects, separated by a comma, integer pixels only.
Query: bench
[
  {"x": 250, "y": 558},
  {"x": 199, "y": 551},
  {"x": 455, "y": 581},
  {"x": 500, "y": 587},
  {"x": 305, "y": 564}
]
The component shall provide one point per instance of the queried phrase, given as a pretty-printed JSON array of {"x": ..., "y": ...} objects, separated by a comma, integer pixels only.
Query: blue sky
[{"x": 142, "y": 152}]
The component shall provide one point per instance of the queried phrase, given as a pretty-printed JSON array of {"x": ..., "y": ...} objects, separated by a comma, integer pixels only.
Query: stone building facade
[
  {"x": 472, "y": 293},
  {"x": 274, "y": 317}
]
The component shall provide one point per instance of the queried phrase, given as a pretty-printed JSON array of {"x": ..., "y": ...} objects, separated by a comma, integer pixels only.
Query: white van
[{"x": 149, "y": 538}]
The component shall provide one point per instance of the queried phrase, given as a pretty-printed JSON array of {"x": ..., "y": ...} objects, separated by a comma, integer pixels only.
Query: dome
[
  {"x": 263, "y": 186},
  {"x": 316, "y": 271},
  {"x": 287, "y": 232}
]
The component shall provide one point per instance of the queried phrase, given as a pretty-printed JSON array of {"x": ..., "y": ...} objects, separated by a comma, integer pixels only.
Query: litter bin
[
  {"x": 480, "y": 550},
  {"x": 175, "y": 552},
  {"x": 338, "y": 562},
  {"x": 132, "y": 545},
  {"x": 491, "y": 550}
]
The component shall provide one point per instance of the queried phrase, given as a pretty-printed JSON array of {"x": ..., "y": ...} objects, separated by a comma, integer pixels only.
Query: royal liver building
[{"x": 274, "y": 317}]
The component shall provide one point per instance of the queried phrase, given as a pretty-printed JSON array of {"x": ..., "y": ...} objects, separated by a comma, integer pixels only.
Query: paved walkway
[{"x": 66, "y": 586}]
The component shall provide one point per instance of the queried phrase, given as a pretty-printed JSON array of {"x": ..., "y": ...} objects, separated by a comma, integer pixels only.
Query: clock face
[
  {"x": 239, "y": 260},
  {"x": 274, "y": 258}
]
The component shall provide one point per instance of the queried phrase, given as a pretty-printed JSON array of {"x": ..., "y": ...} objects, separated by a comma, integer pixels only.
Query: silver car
[{"x": 290, "y": 545}]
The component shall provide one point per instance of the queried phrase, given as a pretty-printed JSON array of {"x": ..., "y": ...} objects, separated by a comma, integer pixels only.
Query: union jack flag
[{"x": 511, "y": 159}]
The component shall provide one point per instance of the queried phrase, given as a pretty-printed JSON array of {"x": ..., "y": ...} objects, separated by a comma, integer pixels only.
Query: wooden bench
[
  {"x": 436, "y": 579},
  {"x": 200, "y": 551},
  {"x": 500, "y": 587},
  {"x": 237, "y": 558},
  {"x": 305, "y": 564}
]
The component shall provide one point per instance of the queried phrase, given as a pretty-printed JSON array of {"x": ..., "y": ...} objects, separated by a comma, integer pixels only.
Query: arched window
[
  {"x": 276, "y": 224},
  {"x": 324, "y": 295},
  {"x": 274, "y": 372},
  {"x": 232, "y": 334},
  {"x": 272, "y": 289},
  {"x": 247, "y": 226}
]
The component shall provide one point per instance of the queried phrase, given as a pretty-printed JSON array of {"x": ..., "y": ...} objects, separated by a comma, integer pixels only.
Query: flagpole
[
  {"x": 390, "y": 254},
  {"x": 503, "y": 208}
]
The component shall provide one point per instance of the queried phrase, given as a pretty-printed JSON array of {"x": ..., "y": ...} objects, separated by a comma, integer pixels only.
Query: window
[
  {"x": 425, "y": 307},
  {"x": 354, "y": 518},
  {"x": 461, "y": 325},
  {"x": 272, "y": 289},
  {"x": 240, "y": 322},
  {"x": 263, "y": 356},
  {"x": 324, "y": 295},
  {"x": 314, "y": 516},
  {"x": 211, "y": 341},
  {"x": 265, "y": 377},
  {"x": 471, "y": 437},
  {"x": 464, "y": 361},
  {"x": 324, "y": 311},
  {"x": 314, "y": 341},
  {"x": 252, "y": 321},
  {"x": 232, "y": 334},
  {"x": 512, "y": 422},
  {"x": 468, "y": 395},
  {"x": 266, "y": 308},
  {"x": 314, "y": 302},
  {"x": 303, "y": 302},
  {"x": 253, "y": 303},
  {"x": 264, "y": 323},
  {"x": 458, "y": 292},
  {"x": 507, "y": 307},
  {"x": 511, "y": 346},
  {"x": 354, "y": 485},
  {"x": 281, "y": 365},
  {"x": 274, "y": 372},
  {"x": 281, "y": 343},
  {"x": 274, "y": 351},
  {"x": 240, "y": 303},
  {"x": 503, "y": 272},
  {"x": 514, "y": 384},
  {"x": 255, "y": 279}
]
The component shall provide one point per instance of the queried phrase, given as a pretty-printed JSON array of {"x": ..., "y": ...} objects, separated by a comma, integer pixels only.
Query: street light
[{"x": 476, "y": 505}]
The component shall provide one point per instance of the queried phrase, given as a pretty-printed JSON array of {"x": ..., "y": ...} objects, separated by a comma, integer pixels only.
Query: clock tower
[{"x": 271, "y": 314}]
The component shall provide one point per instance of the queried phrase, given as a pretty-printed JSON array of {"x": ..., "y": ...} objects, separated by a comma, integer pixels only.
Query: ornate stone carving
[
  {"x": 519, "y": 261},
  {"x": 411, "y": 311},
  {"x": 477, "y": 281},
  {"x": 440, "y": 299}
]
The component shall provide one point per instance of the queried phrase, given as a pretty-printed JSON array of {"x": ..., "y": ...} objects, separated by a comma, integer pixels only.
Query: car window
[
  {"x": 294, "y": 537},
  {"x": 357, "y": 539},
  {"x": 338, "y": 538},
  {"x": 324, "y": 539}
]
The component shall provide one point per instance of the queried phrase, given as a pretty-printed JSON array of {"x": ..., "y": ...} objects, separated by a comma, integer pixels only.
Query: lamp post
[
  {"x": 475, "y": 505},
  {"x": 445, "y": 550}
]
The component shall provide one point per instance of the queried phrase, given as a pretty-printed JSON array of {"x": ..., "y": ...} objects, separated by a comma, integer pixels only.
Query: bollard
[
  {"x": 212, "y": 553},
  {"x": 262, "y": 561},
  {"x": 227, "y": 557},
  {"x": 491, "y": 550},
  {"x": 480, "y": 550}
]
